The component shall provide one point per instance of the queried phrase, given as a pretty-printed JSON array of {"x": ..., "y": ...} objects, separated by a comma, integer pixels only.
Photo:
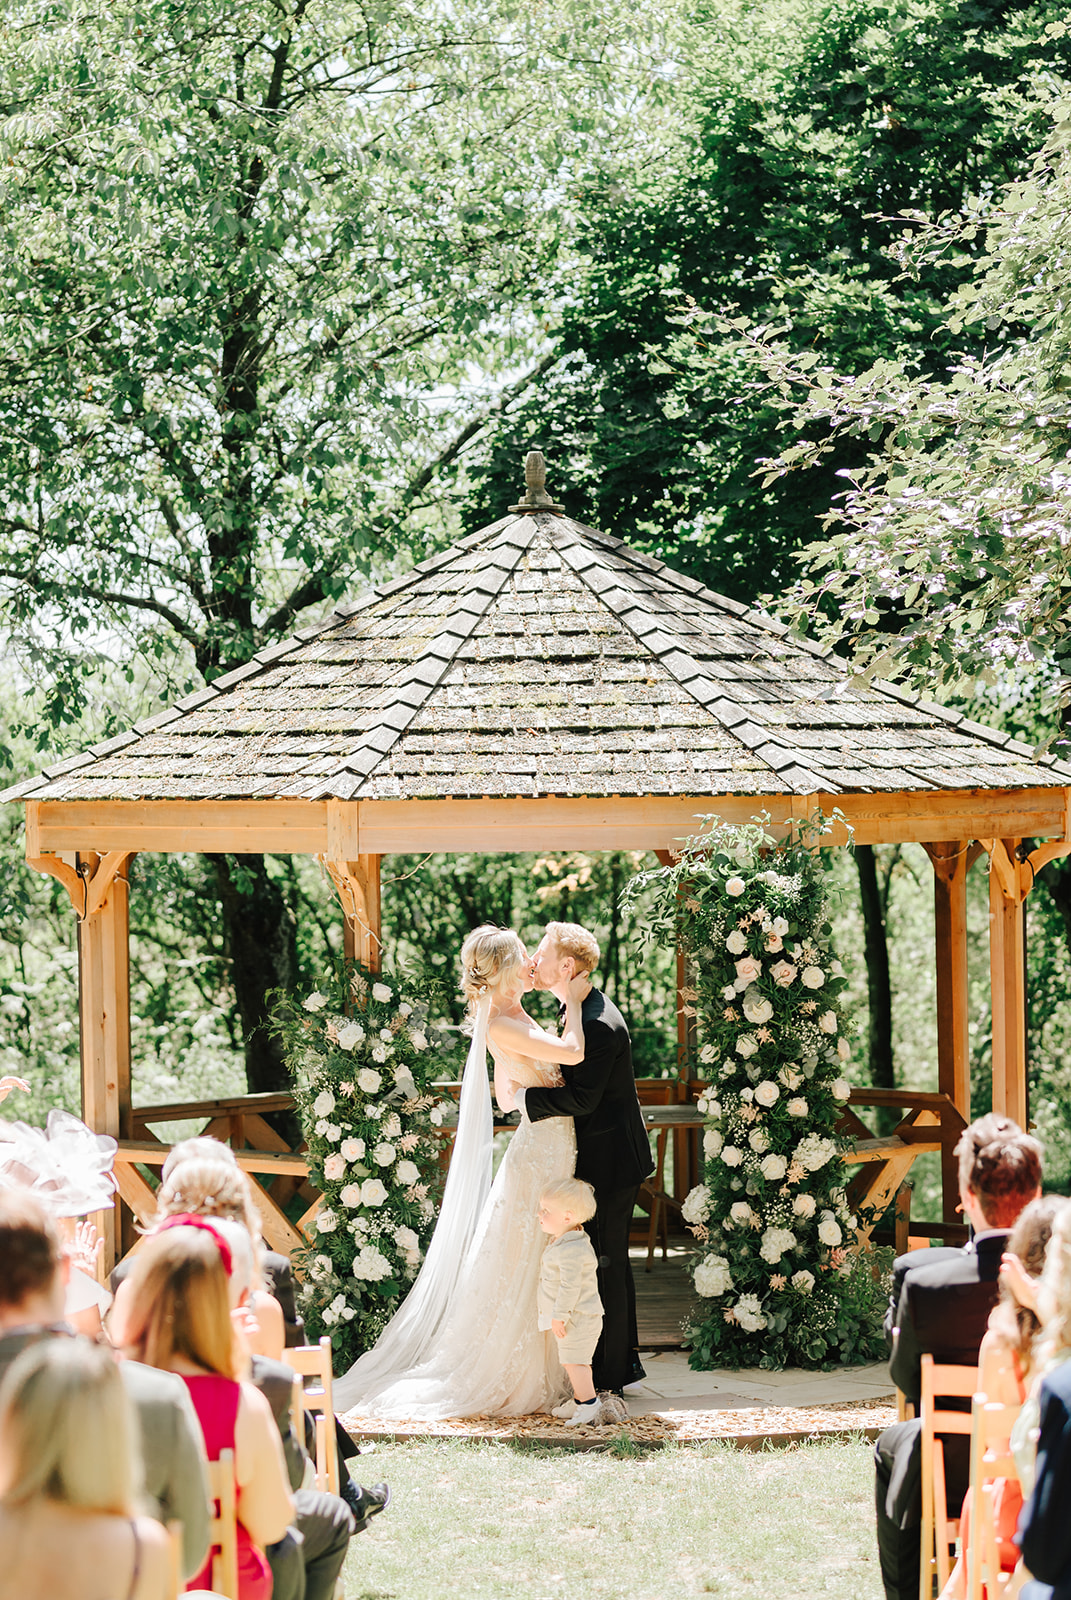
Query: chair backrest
[
  {"x": 223, "y": 1525},
  {"x": 991, "y": 1463},
  {"x": 941, "y": 1382},
  {"x": 938, "y": 1530},
  {"x": 314, "y": 1361}
]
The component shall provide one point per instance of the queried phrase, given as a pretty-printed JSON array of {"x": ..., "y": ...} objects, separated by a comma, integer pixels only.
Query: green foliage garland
[
  {"x": 363, "y": 1057},
  {"x": 776, "y": 1272}
]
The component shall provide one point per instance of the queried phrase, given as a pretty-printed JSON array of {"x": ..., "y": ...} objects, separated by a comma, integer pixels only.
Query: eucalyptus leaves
[
  {"x": 775, "y": 1273},
  {"x": 363, "y": 1058}
]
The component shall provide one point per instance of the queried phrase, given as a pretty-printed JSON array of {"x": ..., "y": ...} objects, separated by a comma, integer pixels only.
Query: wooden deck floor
[{"x": 664, "y": 1296}]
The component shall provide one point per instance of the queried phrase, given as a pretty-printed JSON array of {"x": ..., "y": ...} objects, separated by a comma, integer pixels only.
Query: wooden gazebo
[{"x": 539, "y": 686}]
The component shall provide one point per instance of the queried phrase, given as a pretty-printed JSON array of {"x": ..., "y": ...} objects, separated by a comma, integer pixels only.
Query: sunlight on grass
[{"x": 491, "y": 1520}]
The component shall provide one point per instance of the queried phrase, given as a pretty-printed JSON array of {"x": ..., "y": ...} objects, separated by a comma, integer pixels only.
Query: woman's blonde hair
[
  {"x": 68, "y": 1430},
  {"x": 179, "y": 1303},
  {"x": 208, "y": 1187},
  {"x": 490, "y": 957},
  {"x": 574, "y": 1196}
]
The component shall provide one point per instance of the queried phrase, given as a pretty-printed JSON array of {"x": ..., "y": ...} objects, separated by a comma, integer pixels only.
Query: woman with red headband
[{"x": 174, "y": 1312}]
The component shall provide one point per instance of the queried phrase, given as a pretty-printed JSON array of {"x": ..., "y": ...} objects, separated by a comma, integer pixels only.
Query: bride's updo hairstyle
[{"x": 490, "y": 957}]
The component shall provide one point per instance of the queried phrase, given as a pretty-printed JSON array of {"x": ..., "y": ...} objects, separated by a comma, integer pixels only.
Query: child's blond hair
[{"x": 574, "y": 1196}]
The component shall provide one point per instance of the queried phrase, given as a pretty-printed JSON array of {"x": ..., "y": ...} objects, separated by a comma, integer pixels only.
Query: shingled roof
[{"x": 539, "y": 657}]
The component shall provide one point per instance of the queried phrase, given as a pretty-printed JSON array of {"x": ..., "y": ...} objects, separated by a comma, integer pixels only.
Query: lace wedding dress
[{"x": 465, "y": 1341}]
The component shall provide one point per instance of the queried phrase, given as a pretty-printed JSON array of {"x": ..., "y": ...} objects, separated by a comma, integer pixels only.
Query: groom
[{"x": 613, "y": 1152}]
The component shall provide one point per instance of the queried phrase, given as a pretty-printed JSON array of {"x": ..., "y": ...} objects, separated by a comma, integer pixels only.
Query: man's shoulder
[
  {"x": 274, "y": 1379},
  {"x": 598, "y": 1007},
  {"x": 151, "y": 1384}
]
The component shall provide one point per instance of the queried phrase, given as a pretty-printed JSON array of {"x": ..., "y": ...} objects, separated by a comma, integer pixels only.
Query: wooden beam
[
  {"x": 357, "y": 884},
  {"x": 380, "y": 827},
  {"x": 950, "y": 859},
  {"x": 1007, "y": 890}
]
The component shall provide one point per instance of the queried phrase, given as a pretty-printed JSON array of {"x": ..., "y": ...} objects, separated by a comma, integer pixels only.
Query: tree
[
  {"x": 802, "y": 134},
  {"x": 262, "y": 263}
]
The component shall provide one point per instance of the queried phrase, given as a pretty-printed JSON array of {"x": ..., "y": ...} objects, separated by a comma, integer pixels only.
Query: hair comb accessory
[{"x": 186, "y": 1219}]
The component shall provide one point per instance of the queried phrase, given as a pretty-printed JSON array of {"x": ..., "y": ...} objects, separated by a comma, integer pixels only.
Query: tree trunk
[
  {"x": 879, "y": 987},
  {"x": 261, "y": 944}
]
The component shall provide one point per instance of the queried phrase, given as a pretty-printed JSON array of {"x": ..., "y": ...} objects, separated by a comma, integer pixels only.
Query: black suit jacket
[
  {"x": 944, "y": 1309},
  {"x": 612, "y": 1147},
  {"x": 900, "y": 1269},
  {"x": 1045, "y": 1527}
]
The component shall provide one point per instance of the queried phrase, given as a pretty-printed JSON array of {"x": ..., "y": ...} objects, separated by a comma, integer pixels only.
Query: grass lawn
[{"x": 493, "y": 1519}]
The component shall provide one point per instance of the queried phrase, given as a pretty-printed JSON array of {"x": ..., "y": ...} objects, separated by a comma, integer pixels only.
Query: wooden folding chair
[
  {"x": 223, "y": 1525},
  {"x": 314, "y": 1361},
  {"x": 939, "y": 1531},
  {"x": 991, "y": 1462}
]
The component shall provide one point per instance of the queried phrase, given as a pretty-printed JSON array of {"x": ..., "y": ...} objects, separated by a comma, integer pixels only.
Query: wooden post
[
  {"x": 357, "y": 884},
  {"x": 1009, "y": 880},
  {"x": 951, "y": 863}
]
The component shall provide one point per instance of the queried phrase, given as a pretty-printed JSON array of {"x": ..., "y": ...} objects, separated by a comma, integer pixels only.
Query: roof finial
[{"x": 535, "y": 477}]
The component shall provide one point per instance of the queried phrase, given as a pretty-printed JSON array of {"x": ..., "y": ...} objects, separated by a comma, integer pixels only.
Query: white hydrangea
[
  {"x": 371, "y": 1265},
  {"x": 351, "y": 1196},
  {"x": 696, "y": 1207},
  {"x": 748, "y": 1313},
  {"x": 829, "y": 1230},
  {"x": 767, "y": 1093},
  {"x": 803, "y": 1281},
  {"x": 368, "y": 1081},
  {"x": 776, "y": 1242},
  {"x": 324, "y": 1103},
  {"x": 381, "y": 993},
  {"x": 813, "y": 1152},
  {"x": 797, "y": 1107},
  {"x": 373, "y": 1192},
  {"x": 326, "y": 1220},
  {"x": 736, "y": 943},
  {"x": 812, "y": 977},
  {"x": 712, "y": 1143},
  {"x": 315, "y": 1002},
  {"x": 804, "y": 1205},
  {"x": 350, "y": 1035},
  {"x": 773, "y": 1167},
  {"x": 407, "y": 1173},
  {"x": 713, "y": 1277},
  {"x": 379, "y": 1052},
  {"x": 732, "y": 1156}
]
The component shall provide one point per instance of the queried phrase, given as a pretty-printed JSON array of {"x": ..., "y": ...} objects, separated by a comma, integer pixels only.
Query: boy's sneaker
[
  {"x": 586, "y": 1416},
  {"x": 565, "y": 1410}
]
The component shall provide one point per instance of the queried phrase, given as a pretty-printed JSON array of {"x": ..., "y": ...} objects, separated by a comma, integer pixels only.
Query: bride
[{"x": 465, "y": 1341}]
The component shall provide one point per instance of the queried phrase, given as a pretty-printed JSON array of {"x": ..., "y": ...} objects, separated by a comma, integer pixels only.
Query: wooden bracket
[
  {"x": 88, "y": 883},
  {"x": 357, "y": 886}
]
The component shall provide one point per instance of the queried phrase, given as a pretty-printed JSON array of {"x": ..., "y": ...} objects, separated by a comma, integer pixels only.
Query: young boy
[{"x": 568, "y": 1298}]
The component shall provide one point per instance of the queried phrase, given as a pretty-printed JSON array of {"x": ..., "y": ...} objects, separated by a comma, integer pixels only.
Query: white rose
[
  {"x": 332, "y": 1132},
  {"x": 712, "y": 1277},
  {"x": 435, "y": 1116},
  {"x": 393, "y": 1126},
  {"x": 773, "y": 1168},
  {"x": 696, "y": 1207},
  {"x": 829, "y": 1230},
  {"x": 385, "y": 1033},
  {"x": 757, "y": 1008},
  {"x": 418, "y": 1040},
  {"x": 378, "y": 1053},
  {"x": 840, "y": 1089},
  {"x": 350, "y": 1035},
  {"x": 708, "y": 1054},
  {"x": 758, "y": 1140},
  {"x": 713, "y": 1108},
  {"x": 803, "y": 1282},
  {"x": 732, "y": 1156},
  {"x": 844, "y": 1049},
  {"x": 383, "y": 1154},
  {"x": 353, "y": 1149},
  {"x": 351, "y": 1196},
  {"x": 746, "y": 1045},
  {"x": 812, "y": 977},
  {"x": 797, "y": 1108},
  {"x": 405, "y": 1009},
  {"x": 741, "y": 1213},
  {"x": 326, "y": 1221},
  {"x": 735, "y": 887},
  {"x": 712, "y": 1143},
  {"x": 324, "y": 1103},
  {"x": 775, "y": 1243},
  {"x": 767, "y": 1093},
  {"x": 828, "y": 1022},
  {"x": 783, "y": 973},
  {"x": 406, "y": 1239},
  {"x": 315, "y": 1002},
  {"x": 747, "y": 1095},
  {"x": 774, "y": 942},
  {"x": 373, "y": 1193},
  {"x": 407, "y": 1173},
  {"x": 780, "y": 927},
  {"x": 791, "y": 1077},
  {"x": 381, "y": 993},
  {"x": 334, "y": 1168},
  {"x": 804, "y": 1205},
  {"x": 748, "y": 970},
  {"x": 836, "y": 969},
  {"x": 729, "y": 992},
  {"x": 748, "y": 1313},
  {"x": 736, "y": 944},
  {"x": 369, "y": 1082}
]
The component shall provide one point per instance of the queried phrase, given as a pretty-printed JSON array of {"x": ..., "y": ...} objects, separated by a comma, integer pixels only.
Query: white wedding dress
[{"x": 465, "y": 1341}]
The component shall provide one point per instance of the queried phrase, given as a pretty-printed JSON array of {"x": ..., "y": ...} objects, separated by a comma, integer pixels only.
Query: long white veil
[{"x": 410, "y": 1337}]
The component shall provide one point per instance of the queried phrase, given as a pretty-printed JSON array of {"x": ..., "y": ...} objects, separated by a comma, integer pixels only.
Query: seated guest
[
  {"x": 69, "y": 1478},
  {"x": 174, "y": 1312},
  {"x": 1045, "y": 1527},
  {"x": 944, "y": 1310},
  {"x": 33, "y": 1273}
]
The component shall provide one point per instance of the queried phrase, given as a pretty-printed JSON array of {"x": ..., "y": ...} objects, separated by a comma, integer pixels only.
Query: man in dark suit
[
  {"x": 943, "y": 1311},
  {"x": 613, "y": 1151}
]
